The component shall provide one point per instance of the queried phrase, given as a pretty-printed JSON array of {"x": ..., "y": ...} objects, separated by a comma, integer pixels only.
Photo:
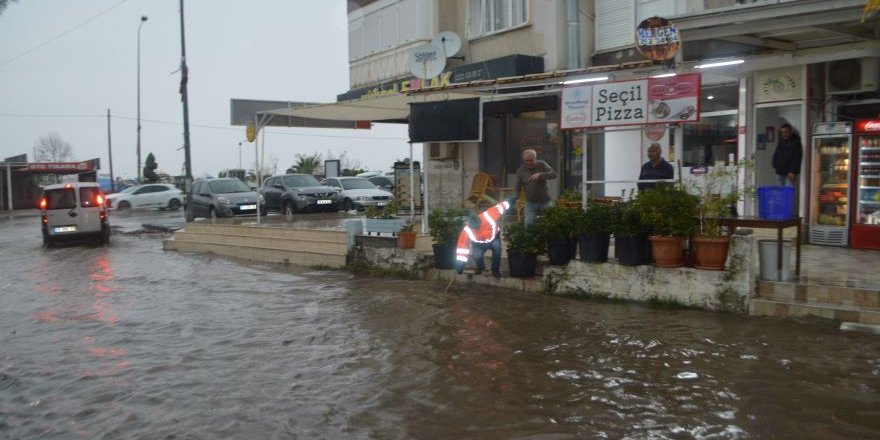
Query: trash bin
[
  {"x": 767, "y": 257},
  {"x": 775, "y": 202}
]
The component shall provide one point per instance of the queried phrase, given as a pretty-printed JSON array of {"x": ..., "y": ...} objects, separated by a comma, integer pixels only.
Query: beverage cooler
[
  {"x": 829, "y": 208},
  {"x": 865, "y": 228}
]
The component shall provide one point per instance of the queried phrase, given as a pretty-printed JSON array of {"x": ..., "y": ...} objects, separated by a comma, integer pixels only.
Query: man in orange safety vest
[{"x": 483, "y": 233}]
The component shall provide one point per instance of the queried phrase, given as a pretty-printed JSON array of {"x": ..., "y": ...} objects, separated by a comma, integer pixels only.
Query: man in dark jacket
[
  {"x": 787, "y": 157},
  {"x": 655, "y": 168}
]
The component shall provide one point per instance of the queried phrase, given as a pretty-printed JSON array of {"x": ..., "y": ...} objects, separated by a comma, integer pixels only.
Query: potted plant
[
  {"x": 570, "y": 198},
  {"x": 557, "y": 226},
  {"x": 445, "y": 225},
  {"x": 631, "y": 245},
  {"x": 523, "y": 247},
  {"x": 718, "y": 192},
  {"x": 593, "y": 229},
  {"x": 407, "y": 235},
  {"x": 670, "y": 214},
  {"x": 382, "y": 219}
]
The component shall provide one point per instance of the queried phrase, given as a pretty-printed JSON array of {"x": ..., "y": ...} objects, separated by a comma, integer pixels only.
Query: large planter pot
[
  {"x": 522, "y": 265},
  {"x": 667, "y": 251},
  {"x": 407, "y": 239},
  {"x": 383, "y": 225},
  {"x": 633, "y": 250},
  {"x": 594, "y": 247},
  {"x": 710, "y": 253},
  {"x": 559, "y": 252},
  {"x": 444, "y": 256}
]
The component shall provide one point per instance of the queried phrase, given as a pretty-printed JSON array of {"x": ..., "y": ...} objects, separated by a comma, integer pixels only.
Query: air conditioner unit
[
  {"x": 443, "y": 151},
  {"x": 855, "y": 75}
]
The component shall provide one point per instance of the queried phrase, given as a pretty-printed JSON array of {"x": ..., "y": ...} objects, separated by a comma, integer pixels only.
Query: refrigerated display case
[
  {"x": 829, "y": 219},
  {"x": 865, "y": 228}
]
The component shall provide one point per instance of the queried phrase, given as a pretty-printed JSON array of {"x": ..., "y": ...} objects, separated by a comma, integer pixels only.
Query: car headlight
[
  {"x": 223, "y": 201},
  {"x": 364, "y": 198},
  {"x": 260, "y": 197}
]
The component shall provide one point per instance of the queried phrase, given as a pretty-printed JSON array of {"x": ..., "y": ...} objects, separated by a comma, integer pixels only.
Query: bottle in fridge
[
  {"x": 865, "y": 228},
  {"x": 829, "y": 212}
]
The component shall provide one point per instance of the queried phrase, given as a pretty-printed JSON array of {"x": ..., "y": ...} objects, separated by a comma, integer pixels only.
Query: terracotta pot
[
  {"x": 710, "y": 253},
  {"x": 407, "y": 239},
  {"x": 667, "y": 251}
]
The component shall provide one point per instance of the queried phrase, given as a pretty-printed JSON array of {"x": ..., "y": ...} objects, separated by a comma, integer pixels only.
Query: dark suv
[{"x": 299, "y": 193}]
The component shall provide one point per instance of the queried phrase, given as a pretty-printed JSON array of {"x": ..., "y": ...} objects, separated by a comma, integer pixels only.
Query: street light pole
[
  {"x": 140, "y": 25},
  {"x": 239, "y": 155},
  {"x": 184, "y": 79}
]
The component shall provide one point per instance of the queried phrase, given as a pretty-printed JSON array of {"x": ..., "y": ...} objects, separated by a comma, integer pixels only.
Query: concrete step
[
  {"x": 267, "y": 255},
  {"x": 819, "y": 294},
  {"x": 795, "y": 309},
  {"x": 301, "y": 244},
  {"x": 335, "y": 236}
]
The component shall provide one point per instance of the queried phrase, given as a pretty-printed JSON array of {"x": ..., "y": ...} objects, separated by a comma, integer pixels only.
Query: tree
[
  {"x": 306, "y": 164},
  {"x": 52, "y": 148},
  {"x": 150, "y": 166},
  {"x": 4, "y": 4}
]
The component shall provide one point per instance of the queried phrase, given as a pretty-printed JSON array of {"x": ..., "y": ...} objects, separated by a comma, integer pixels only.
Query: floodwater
[{"x": 129, "y": 341}]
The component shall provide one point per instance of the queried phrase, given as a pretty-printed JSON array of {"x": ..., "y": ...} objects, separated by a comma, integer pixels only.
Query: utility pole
[
  {"x": 138, "y": 169},
  {"x": 110, "y": 154},
  {"x": 184, "y": 78}
]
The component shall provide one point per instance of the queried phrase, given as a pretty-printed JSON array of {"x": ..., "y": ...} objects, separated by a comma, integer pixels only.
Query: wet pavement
[{"x": 128, "y": 341}]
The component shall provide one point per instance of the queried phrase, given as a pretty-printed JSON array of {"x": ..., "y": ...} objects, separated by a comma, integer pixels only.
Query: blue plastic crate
[{"x": 775, "y": 202}]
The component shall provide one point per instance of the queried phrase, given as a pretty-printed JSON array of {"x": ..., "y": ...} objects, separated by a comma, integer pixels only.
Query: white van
[{"x": 74, "y": 209}]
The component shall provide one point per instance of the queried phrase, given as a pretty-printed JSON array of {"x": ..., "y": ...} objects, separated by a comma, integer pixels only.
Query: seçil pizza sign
[{"x": 645, "y": 101}]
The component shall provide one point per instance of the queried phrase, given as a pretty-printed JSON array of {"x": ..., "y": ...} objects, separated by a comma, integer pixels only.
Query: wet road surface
[{"x": 128, "y": 341}]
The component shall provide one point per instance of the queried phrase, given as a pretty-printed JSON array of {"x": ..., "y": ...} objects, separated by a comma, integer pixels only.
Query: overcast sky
[{"x": 64, "y": 63}]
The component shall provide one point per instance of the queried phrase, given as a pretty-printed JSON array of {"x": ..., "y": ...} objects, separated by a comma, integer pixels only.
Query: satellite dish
[
  {"x": 449, "y": 41},
  {"x": 427, "y": 61}
]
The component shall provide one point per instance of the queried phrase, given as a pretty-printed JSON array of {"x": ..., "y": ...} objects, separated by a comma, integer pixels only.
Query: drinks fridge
[
  {"x": 829, "y": 212},
  {"x": 865, "y": 228}
]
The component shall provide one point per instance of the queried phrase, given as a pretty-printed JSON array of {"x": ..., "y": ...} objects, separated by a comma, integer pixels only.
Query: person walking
[
  {"x": 787, "y": 157},
  {"x": 655, "y": 168},
  {"x": 532, "y": 177},
  {"x": 482, "y": 232}
]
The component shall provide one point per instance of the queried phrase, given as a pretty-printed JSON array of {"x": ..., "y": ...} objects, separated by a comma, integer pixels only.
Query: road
[{"x": 129, "y": 341}]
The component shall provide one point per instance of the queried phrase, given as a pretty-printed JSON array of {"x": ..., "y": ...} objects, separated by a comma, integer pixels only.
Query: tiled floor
[{"x": 837, "y": 266}]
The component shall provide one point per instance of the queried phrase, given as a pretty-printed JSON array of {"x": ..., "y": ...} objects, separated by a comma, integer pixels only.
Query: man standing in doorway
[
  {"x": 532, "y": 177},
  {"x": 787, "y": 157},
  {"x": 655, "y": 168}
]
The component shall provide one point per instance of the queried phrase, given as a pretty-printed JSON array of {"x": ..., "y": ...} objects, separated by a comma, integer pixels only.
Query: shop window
[
  {"x": 714, "y": 138},
  {"x": 491, "y": 16}
]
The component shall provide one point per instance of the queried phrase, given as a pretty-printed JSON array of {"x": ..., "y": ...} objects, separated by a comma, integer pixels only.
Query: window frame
[{"x": 481, "y": 14}]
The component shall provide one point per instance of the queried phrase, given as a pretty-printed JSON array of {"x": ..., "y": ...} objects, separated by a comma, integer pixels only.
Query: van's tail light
[
  {"x": 45, "y": 220},
  {"x": 43, "y": 203},
  {"x": 99, "y": 199}
]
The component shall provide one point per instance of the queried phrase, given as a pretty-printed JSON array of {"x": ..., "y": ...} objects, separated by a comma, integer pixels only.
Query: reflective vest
[{"x": 485, "y": 233}]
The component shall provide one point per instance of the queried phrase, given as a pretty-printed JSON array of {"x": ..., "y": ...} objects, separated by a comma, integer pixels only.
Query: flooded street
[{"x": 129, "y": 341}]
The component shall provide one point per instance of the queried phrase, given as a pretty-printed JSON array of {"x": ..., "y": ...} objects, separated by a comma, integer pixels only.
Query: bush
[
  {"x": 599, "y": 218},
  {"x": 667, "y": 211},
  {"x": 445, "y": 225},
  {"x": 556, "y": 223},
  {"x": 526, "y": 240}
]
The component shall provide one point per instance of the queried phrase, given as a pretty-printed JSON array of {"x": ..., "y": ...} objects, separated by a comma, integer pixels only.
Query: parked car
[
  {"x": 73, "y": 210},
  {"x": 383, "y": 182},
  {"x": 151, "y": 195},
  {"x": 298, "y": 193},
  {"x": 358, "y": 192},
  {"x": 214, "y": 198}
]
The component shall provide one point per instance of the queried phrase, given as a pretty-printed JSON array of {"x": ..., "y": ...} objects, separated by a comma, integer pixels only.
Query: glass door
[
  {"x": 831, "y": 180},
  {"x": 868, "y": 194}
]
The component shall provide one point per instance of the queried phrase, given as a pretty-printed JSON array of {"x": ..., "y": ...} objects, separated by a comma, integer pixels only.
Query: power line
[{"x": 45, "y": 43}]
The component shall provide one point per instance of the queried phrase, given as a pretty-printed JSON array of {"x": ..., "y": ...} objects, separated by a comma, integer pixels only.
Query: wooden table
[{"x": 756, "y": 222}]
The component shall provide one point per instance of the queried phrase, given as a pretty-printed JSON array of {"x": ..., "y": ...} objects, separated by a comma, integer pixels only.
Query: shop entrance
[{"x": 768, "y": 118}]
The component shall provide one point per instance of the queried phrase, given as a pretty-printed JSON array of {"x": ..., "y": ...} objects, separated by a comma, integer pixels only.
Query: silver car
[
  {"x": 358, "y": 193},
  {"x": 214, "y": 198}
]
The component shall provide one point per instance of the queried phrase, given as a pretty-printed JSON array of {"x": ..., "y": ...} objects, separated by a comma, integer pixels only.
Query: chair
[{"x": 480, "y": 186}]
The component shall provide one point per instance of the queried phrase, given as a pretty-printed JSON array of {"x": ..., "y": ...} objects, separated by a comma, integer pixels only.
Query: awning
[{"x": 392, "y": 107}]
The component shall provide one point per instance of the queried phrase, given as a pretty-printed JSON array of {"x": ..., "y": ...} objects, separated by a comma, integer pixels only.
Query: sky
[{"x": 63, "y": 64}]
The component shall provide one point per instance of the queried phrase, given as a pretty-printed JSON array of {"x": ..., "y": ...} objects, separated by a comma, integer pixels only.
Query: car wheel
[
  {"x": 123, "y": 205},
  {"x": 288, "y": 208},
  {"x": 346, "y": 205},
  {"x": 105, "y": 236},
  {"x": 47, "y": 241},
  {"x": 174, "y": 204}
]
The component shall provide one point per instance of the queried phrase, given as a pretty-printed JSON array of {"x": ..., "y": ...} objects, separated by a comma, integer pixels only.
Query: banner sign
[
  {"x": 59, "y": 167},
  {"x": 655, "y": 100}
]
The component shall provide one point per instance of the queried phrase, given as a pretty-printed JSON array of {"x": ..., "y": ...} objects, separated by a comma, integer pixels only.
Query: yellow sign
[{"x": 251, "y": 132}]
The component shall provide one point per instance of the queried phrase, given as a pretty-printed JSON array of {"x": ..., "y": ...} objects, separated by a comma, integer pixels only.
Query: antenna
[
  {"x": 427, "y": 61},
  {"x": 450, "y": 42}
]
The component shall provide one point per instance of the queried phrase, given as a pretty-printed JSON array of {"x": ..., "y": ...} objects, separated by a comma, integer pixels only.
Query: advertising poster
[
  {"x": 674, "y": 99},
  {"x": 575, "y": 107}
]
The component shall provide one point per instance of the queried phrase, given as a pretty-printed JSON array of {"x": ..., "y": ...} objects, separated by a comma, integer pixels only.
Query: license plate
[
  {"x": 248, "y": 207},
  {"x": 381, "y": 203},
  {"x": 324, "y": 202},
  {"x": 60, "y": 229}
]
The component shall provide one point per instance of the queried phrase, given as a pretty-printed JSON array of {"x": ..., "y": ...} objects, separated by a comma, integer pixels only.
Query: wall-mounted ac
[
  {"x": 855, "y": 75},
  {"x": 442, "y": 151}
]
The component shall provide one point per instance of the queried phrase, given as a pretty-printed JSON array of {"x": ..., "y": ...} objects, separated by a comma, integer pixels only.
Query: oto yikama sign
[
  {"x": 56, "y": 167},
  {"x": 653, "y": 100}
]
